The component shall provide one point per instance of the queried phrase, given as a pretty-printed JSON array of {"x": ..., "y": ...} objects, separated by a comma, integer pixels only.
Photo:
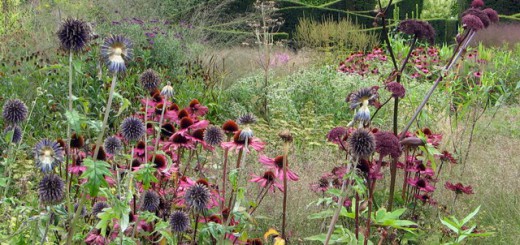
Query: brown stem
[
  {"x": 284, "y": 211},
  {"x": 370, "y": 202},
  {"x": 224, "y": 176},
  {"x": 357, "y": 215}
]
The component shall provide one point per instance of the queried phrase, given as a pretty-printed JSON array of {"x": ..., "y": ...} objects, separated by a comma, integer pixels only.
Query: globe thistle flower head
[
  {"x": 116, "y": 51},
  {"x": 74, "y": 35},
  {"x": 362, "y": 143},
  {"x": 477, "y": 4},
  {"x": 247, "y": 119},
  {"x": 50, "y": 189},
  {"x": 246, "y": 133},
  {"x": 484, "y": 18},
  {"x": 132, "y": 129},
  {"x": 397, "y": 89},
  {"x": 421, "y": 29},
  {"x": 113, "y": 145},
  {"x": 197, "y": 197},
  {"x": 150, "y": 80},
  {"x": 16, "y": 132},
  {"x": 167, "y": 91},
  {"x": 387, "y": 144},
  {"x": 150, "y": 201},
  {"x": 213, "y": 135},
  {"x": 98, "y": 208},
  {"x": 47, "y": 154},
  {"x": 492, "y": 15},
  {"x": 230, "y": 126},
  {"x": 361, "y": 97},
  {"x": 472, "y": 22},
  {"x": 76, "y": 141},
  {"x": 179, "y": 222},
  {"x": 14, "y": 111}
]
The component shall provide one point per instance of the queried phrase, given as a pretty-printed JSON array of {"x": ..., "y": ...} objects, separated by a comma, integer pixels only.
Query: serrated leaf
[
  {"x": 95, "y": 175},
  {"x": 74, "y": 119}
]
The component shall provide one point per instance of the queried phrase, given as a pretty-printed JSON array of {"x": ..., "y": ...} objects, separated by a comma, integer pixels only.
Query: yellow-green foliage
[
  {"x": 330, "y": 33},
  {"x": 438, "y": 9}
]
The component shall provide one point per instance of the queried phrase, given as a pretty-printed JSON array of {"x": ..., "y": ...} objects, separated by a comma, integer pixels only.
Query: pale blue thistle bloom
[
  {"x": 116, "y": 51},
  {"x": 47, "y": 155}
]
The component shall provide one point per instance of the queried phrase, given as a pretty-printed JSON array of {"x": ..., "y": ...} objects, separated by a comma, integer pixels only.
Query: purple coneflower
[{"x": 276, "y": 164}]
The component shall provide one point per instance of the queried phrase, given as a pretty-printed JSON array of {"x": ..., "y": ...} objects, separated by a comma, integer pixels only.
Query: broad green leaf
[
  {"x": 448, "y": 223},
  {"x": 470, "y": 216}
]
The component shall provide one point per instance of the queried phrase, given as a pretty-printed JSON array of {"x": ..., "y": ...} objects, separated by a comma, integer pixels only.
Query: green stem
[
  {"x": 105, "y": 118},
  {"x": 284, "y": 211}
]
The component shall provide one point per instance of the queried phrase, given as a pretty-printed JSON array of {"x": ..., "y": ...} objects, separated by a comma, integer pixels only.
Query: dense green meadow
[{"x": 235, "y": 122}]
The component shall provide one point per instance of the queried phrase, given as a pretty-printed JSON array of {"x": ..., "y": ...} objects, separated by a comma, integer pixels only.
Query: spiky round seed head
[
  {"x": 74, "y": 35},
  {"x": 397, "y": 89},
  {"x": 98, "y": 208},
  {"x": 185, "y": 122},
  {"x": 50, "y": 189},
  {"x": 246, "y": 119},
  {"x": 472, "y": 22},
  {"x": 113, "y": 145},
  {"x": 480, "y": 14},
  {"x": 477, "y": 4},
  {"x": 213, "y": 135},
  {"x": 362, "y": 143},
  {"x": 387, "y": 144},
  {"x": 47, "y": 155},
  {"x": 230, "y": 126},
  {"x": 286, "y": 136},
  {"x": 179, "y": 222},
  {"x": 197, "y": 197},
  {"x": 76, "y": 141},
  {"x": 132, "y": 129},
  {"x": 150, "y": 80},
  {"x": 167, "y": 130},
  {"x": 150, "y": 201},
  {"x": 116, "y": 51},
  {"x": 16, "y": 133},
  {"x": 167, "y": 91},
  {"x": 492, "y": 14},
  {"x": 14, "y": 111},
  {"x": 419, "y": 28}
]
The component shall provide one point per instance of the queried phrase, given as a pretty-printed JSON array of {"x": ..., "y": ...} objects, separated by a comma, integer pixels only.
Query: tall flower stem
[
  {"x": 371, "y": 186},
  {"x": 284, "y": 210},
  {"x": 239, "y": 160},
  {"x": 46, "y": 228},
  {"x": 224, "y": 175},
  {"x": 158, "y": 135},
  {"x": 68, "y": 124},
  {"x": 341, "y": 200},
  {"x": 454, "y": 59},
  {"x": 96, "y": 151},
  {"x": 356, "y": 218},
  {"x": 195, "y": 229}
]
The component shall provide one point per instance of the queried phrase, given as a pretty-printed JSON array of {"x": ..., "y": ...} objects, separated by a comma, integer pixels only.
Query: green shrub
[{"x": 330, "y": 33}]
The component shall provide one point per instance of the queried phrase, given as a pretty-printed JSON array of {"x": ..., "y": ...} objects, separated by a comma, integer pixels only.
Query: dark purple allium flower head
[
  {"x": 397, "y": 89},
  {"x": 472, "y": 22},
  {"x": 150, "y": 201},
  {"x": 480, "y": 14},
  {"x": 132, "y": 129},
  {"x": 14, "y": 111},
  {"x": 16, "y": 133},
  {"x": 113, "y": 145},
  {"x": 477, "y": 4},
  {"x": 492, "y": 14},
  {"x": 98, "y": 208},
  {"x": 74, "y": 35},
  {"x": 387, "y": 144},
  {"x": 246, "y": 119},
  {"x": 197, "y": 197},
  {"x": 419, "y": 28},
  {"x": 179, "y": 222},
  {"x": 213, "y": 135},
  {"x": 336, "y": 134},
  {"x": 150, "y": 80},
  {"x": 116, "y": 51},
  {"x": 50, "y": 189},
  {"x": 47, "y": 154},
  {"x": 362, "y": 143},
  {"x": 459, "y": 188}
]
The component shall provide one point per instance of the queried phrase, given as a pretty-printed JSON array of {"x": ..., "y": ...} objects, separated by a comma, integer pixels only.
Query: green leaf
[
  {"x": 448, "y": 223},
  {"x": 77, "y": 66},
  {"x": 125, "y": 103},
  {"x": 146, "y": 176},
  {"x": 95, "y": 175},
  {"x": 74, "y": 119},
  {"x": 470, "y": 216}
]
